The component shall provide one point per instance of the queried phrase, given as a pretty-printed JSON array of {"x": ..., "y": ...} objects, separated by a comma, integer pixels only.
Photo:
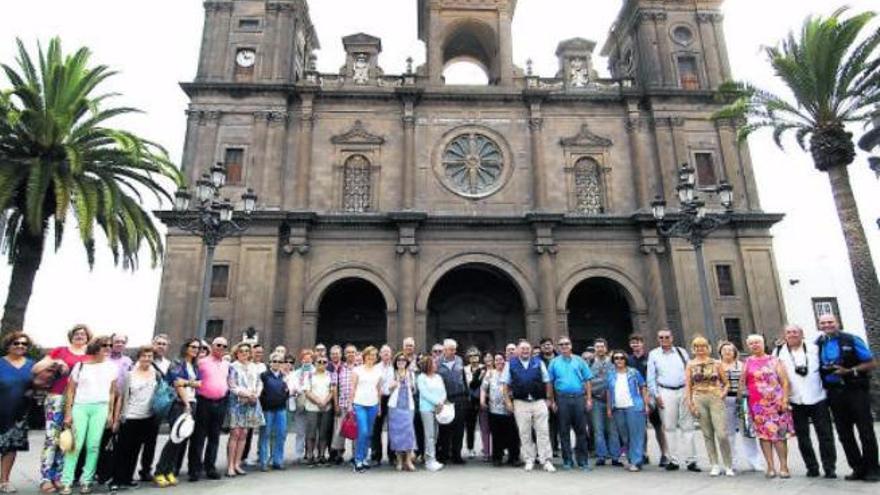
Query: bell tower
[{"x": 477, "y": 31}]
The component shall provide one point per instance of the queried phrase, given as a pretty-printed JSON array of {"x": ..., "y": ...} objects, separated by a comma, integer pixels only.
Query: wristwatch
[{"x": 855, "y": 373}]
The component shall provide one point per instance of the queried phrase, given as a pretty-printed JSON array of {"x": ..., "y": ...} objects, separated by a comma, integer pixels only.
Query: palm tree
[
  {"x": 832, "y": 68},
  {"x": 57, "y": 157}
]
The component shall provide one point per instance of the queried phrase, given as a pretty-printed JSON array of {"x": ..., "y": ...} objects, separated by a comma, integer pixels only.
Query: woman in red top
[{"x": 60, "y": 361}]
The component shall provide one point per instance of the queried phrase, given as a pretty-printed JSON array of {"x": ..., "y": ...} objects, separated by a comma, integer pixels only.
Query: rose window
[{"x": 473, "y": 165}]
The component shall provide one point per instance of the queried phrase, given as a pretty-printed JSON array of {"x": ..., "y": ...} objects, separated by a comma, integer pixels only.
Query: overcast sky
[{"x": 154, "y": 44}]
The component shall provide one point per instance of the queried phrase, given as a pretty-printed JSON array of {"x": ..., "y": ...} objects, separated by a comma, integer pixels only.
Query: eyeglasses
[
  {"x": 161, "y": 344},
  {"x": 619, "y": 358},
  {"x": 322, "y": 361},
  {"x": 221, "y": 346},
  {"x": 290, "y": 362},
  {"x": 564, "y": 343},
  {"x": 277, "y": 362},
  {"x": 106, "y": 346},
  {"x": 664, "y": 337},
  {"x": 195, "y": 346},
  {"x": 437, "y": 351},
  {"x": 203, "y": 348},
  {"x": 20, "y": 343}
]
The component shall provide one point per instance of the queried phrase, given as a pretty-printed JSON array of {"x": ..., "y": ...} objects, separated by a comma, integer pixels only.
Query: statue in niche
[
  {"x": 361, "y": 70},
  {"x": 579, "y": 74}
]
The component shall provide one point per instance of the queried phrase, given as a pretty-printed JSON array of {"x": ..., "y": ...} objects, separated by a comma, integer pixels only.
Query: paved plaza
[{"x": 478, "y": 477}]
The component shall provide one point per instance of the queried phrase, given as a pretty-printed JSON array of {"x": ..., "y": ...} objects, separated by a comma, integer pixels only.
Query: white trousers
[
  {"x": 535, "y": 415},
  {"x": 679, "y": 425},
  {"x": 746, "y": 449}
]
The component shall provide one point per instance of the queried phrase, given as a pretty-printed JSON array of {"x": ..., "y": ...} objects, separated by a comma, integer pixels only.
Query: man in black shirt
[{"x": 638, "y": 359}]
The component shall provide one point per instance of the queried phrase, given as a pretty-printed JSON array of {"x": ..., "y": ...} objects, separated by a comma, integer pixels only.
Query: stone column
[
  {"x": 638, "y": 148},
  {"x": 539, "y": 179},
  {"x": 408, "y": 170},
  {"x": 661, "y": 28},
  {"x": 207, "y": 141},
  {"x": 547, "y": 274},
  {"x": 284, "y": 43},
  {"x": 407, "y": 283},
  {"x": 727, "y": 138},
  {"x": 669, "y": 158},
  {"x": 304, "y": 155},
  {"x": 649, "y": 70},
  {"x": 273, "y": 159},
  {"x": 710, "y": 50},
  {"x": 505, "y": 50},
  {"x": 208, "y": 41},
  {"x": 190, "y": 145},
  {"x": 297, "y": 248},
  {"x": 219, "y": 60},
  {"x": 721, "y": 43},
  {"x": 435, "y": 48},
  {"x": 256, "y": 175},
  {"x": 270, "y": 44},
  {"x": 652, "y": 247}
]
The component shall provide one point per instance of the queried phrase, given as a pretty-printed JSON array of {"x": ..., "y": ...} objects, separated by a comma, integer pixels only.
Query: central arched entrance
[
  {"x": 352, "y": 311},
  {"x": 477, "y": 305},
  {"x": 599, "y": 307}
]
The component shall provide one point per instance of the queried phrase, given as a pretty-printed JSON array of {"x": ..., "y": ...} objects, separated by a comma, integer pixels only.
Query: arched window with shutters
[
  {"x": 356, "y": 184},
  {"x": 588, "y": 187}
]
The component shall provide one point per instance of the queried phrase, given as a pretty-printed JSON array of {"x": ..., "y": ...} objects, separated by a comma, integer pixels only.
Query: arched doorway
[
  {"x": 352, "y": 310},
  {"x": 599, "y": 307},
  {"x": 478, "y": 305}
]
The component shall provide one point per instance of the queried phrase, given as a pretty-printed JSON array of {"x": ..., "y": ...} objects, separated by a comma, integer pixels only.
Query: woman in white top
[
  {"x": 366, "y": 383},
  {"x": 136, "y": 421},
  {"x": 244, "y": 410},
  {"x": 320, "y": 394},
  {"x": 88, "y": 409},
  {"x": 432, "y": 396}
]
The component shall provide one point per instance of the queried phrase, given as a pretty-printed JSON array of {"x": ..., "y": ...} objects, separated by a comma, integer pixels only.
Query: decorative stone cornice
[
  {"x": 218, "y": 6},
  {"x": 709, "y": 17},
  {"x": 358, "y": 135},
  {"x": 271, "y": 116},
  {"x": 586, "y": 138},
  {"x": 536, "y": 124}
]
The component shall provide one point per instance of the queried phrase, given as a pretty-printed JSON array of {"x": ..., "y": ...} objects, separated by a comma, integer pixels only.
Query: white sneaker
[
  {"x": 529, "y": 466},
  {"x": 471, "y": 454},
  {"x": 433, "y": 466},
  {"x": 729, "y": 472},
  {"x": 548, "y": 466},
  {"x": 716, "y": 471}
]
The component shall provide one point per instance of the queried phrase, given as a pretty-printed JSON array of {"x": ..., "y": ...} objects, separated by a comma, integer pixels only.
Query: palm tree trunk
[
  {"x": 861, "y": 264},
  {"x": 21, "y": 284}
]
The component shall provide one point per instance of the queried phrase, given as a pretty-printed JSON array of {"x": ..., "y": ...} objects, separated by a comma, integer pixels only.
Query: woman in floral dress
[
  {"x": 768, "y": 391},
  {"x": 245, "y": 412}
]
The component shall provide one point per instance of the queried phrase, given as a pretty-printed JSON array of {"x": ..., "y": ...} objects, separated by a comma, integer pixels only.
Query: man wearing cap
[{"x": 529, "y": 394}]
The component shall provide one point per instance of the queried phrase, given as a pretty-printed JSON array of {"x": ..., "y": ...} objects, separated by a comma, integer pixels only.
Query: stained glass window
[{"x": 357, "y": 184}]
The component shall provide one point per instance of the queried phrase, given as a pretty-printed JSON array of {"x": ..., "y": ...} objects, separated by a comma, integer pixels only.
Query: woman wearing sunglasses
[
  {"x": 320, "y": 395},
  {"x": 185, "y": 377},
  {"x": 89, "y": 408},
  {"x": 15, "y": 388},
  {"x": 627, "y": 406}
]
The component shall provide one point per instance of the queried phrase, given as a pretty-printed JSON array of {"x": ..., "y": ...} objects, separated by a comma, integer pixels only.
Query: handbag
[
  {"x": 163, "y": 397},
  {"x": 349, "y": 427}
]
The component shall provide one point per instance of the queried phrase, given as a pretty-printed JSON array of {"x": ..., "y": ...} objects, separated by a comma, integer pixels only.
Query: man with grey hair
[
  {"x": 160, "y": 352},
  {"x": 808, "y": 400},
  {"x": 450, "y": 367}
]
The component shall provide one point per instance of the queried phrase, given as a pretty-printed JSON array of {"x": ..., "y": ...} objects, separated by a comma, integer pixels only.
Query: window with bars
[
  {"x": 213, "y": 329},
  {"x": 705, "y": 166},
  {"x": 220, "y": 281},
  {"x": 826, "y": 306},
  {"x": 357, "y": 184},
  {"x": 588, "y": 187},
  {"x": 724, "y": 278},
  {"x": 234, "y": 162},
  {"x": 733, "y": 330},
  {"x": 687, "y": 73}
]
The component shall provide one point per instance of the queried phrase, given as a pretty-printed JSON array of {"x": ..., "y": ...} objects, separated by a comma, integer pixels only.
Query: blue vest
[{"x": 527, "y": 383}]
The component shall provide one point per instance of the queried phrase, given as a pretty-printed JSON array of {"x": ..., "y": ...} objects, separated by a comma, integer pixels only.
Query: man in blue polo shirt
[
  {"x": 846, "y": 364},
  {"x": 571, "y": 377}
]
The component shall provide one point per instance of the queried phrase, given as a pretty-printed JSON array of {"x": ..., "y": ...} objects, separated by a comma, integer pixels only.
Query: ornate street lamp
[
  {"x": 694, "y": 222},
  {"x": 212, "y": 220}
]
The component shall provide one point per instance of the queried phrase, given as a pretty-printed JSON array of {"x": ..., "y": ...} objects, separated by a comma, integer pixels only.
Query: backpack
[{"x": 163, "y": 397}]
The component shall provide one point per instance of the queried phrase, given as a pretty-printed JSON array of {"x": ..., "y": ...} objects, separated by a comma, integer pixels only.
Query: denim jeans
[
  {"x": 605, "y": 435},
  {"x": 274, "y": 432},
  {"x": 572, "y": 415},
  {"x": 631, "y": 424},
  {"x": 366, "y": 418}
]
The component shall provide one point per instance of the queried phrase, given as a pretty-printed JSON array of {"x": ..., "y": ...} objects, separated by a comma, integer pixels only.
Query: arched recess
[
  {"x": 329, "y": 277},
  {"x": 473, "y": 41},
  {"x": 527, "y": 292},
  {"x": 635, "y": 298}
]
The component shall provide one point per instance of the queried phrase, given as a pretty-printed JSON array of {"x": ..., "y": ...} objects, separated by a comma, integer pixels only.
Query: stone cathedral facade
[{"x": 395, "y": 205}]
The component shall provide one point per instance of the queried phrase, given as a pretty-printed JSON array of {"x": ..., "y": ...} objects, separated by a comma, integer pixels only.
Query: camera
[{"x": 801, "y": 370}]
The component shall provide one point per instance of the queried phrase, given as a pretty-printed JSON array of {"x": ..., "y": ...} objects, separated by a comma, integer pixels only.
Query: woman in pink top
[{"x": 61, "y": 360}]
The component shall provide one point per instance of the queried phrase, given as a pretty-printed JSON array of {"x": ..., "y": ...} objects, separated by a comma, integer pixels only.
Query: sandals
[
  {"x": 65, "y": 490},
  {"x": 48, "y": 487},
  {"x": 784, "y": 475},
  {"x": 770, "y": 474},
  {"x": 7, "y": 488}
]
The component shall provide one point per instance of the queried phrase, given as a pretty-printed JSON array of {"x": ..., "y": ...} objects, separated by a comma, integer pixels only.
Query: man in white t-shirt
[{"x": 808, "y": 401}]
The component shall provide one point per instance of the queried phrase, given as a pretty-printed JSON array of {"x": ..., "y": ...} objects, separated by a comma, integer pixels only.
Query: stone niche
[
  {"x": 576, "y": 63},
  {"x": 361, "y": 59}
]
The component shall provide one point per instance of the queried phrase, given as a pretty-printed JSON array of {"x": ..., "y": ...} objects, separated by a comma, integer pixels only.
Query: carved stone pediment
[
  {"x": 586, "y": 138},
  {"x": 358, "y": 135}
]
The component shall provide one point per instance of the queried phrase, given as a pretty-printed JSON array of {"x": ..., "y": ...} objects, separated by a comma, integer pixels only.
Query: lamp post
[
  {"x": 694, "y": 222},
  {"x": 212, "y": 220}
]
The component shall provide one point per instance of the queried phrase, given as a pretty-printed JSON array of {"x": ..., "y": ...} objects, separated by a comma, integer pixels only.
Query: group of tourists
[{"x": 103, "y": 409}]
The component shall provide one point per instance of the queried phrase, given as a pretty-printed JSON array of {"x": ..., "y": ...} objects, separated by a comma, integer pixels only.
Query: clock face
[{"x": 245, "y": 58}]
